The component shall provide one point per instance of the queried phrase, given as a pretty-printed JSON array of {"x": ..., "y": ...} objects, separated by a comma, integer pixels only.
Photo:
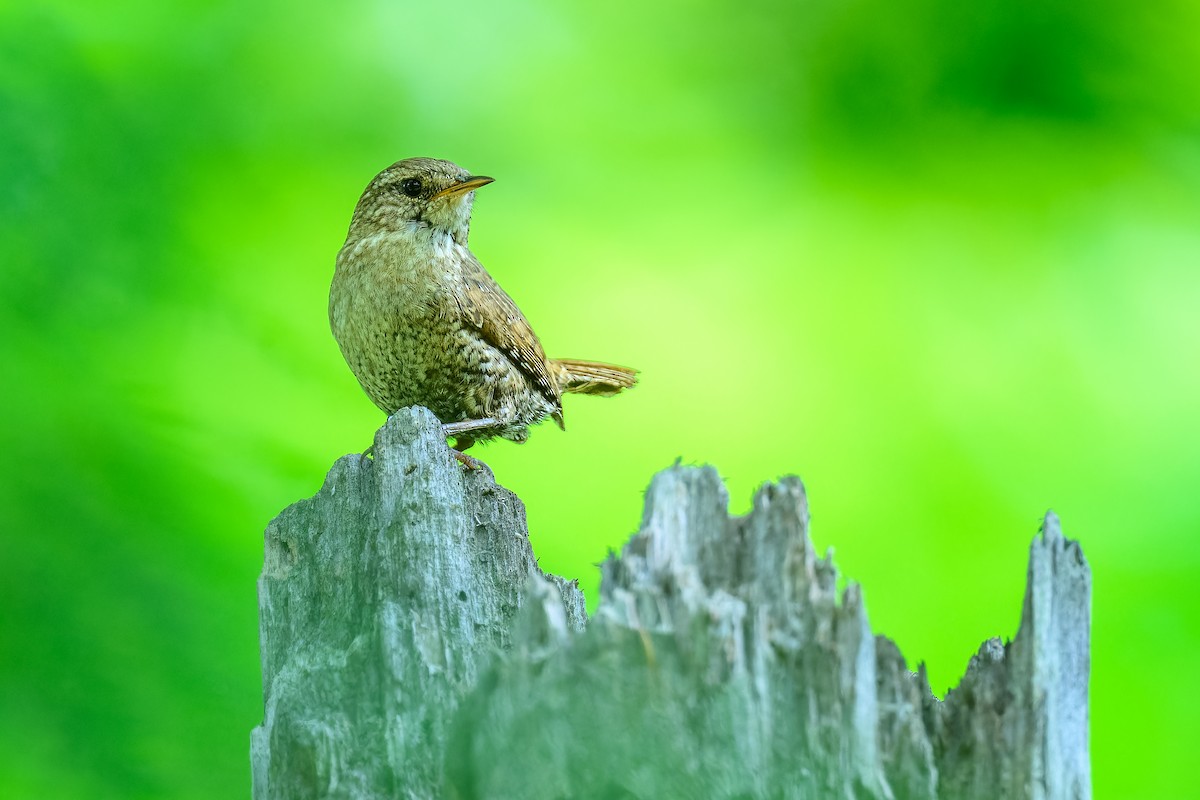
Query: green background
[{"x": 939, "y": 259}]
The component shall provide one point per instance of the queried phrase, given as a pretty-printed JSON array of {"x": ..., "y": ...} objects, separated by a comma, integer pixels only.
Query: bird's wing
[{"x": 489, "y": 309}]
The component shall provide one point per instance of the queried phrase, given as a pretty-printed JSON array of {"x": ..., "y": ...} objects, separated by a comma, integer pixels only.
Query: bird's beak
[{"x": 470, "y": 184}]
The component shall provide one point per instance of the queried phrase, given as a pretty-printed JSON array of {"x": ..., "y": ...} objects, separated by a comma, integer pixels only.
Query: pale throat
[{"x": 452, "y": 218}]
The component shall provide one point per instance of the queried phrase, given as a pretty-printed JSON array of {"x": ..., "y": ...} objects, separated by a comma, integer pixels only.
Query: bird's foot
[
  {"x": 462, "y": 440},
  {"x": 466, "y": 460}
]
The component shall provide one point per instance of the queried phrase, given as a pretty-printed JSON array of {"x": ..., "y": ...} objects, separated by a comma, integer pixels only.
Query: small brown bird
[{"x": 421, "y": 322}]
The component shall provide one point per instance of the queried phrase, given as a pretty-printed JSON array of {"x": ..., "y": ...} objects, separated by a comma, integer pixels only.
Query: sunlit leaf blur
[{"x": 942, "y": 260}]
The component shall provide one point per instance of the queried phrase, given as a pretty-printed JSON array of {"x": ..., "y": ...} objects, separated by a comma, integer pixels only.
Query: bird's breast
[{"x": 397, "y": 272}]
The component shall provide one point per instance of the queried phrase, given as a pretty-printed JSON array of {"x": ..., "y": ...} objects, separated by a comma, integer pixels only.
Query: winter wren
[{"x": 421, "y": 322}]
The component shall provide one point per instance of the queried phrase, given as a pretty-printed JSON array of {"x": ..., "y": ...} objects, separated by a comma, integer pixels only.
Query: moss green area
[{"x": 940, "y": 260}]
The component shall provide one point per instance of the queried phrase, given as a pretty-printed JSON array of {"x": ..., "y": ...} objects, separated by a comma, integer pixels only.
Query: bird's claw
[{"x": 466, "y": 460}]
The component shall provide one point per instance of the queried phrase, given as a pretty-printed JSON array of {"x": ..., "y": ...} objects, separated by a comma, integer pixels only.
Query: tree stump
[{"x": 412, "y": 648}]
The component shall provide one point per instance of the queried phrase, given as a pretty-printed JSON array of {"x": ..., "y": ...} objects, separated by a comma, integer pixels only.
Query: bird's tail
[{"x": 593, "y": 377}]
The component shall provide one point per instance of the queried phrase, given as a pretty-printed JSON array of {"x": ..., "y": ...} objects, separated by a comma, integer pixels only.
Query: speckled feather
[
  {"x": 490, "y": 310},
  {"x": 421, "y": 322}
]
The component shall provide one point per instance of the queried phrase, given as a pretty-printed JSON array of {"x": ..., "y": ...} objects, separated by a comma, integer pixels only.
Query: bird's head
[{"x": 422, "y": 192}]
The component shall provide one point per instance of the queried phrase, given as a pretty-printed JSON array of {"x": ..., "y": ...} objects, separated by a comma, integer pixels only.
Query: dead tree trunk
[{"x": 411, "y": 648}]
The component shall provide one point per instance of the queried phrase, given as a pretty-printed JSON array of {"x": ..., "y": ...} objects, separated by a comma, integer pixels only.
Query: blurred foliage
[{"x": 938, "y": 259}]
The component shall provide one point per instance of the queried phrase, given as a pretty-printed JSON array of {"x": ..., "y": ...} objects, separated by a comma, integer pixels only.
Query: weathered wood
[
  {"x": 1024, "y": 705},
  {"x": 380, "y": 599},
  {"x": 722, "y": 661}
]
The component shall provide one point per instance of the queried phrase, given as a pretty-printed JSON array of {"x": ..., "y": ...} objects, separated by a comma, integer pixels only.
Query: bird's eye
[{"x": 411, "y": 186}]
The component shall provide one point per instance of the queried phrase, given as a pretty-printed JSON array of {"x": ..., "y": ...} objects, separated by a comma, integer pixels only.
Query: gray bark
[{"x": 412, "y": 648}]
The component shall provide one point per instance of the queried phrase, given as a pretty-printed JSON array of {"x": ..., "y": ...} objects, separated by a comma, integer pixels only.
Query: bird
[{"x": 420, "y": 321}]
